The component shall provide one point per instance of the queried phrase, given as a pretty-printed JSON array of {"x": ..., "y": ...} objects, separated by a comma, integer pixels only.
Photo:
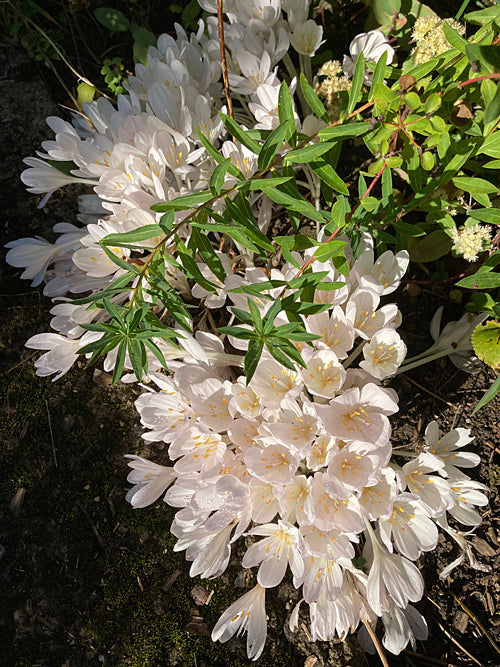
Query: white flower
[
  {"x": 390, "y": 577},
  {"x": 324, "y": 374},
  {"x": 409, "y": 527},
  {"x": 372, "y": 45},
  {"x": 282, "y": 546},
  {"x": 247, "y": 614},
  {"x": 383, "y": 354},
  {"x": 150, "y": 481},
  {"x": 445, "y": 448},
  {"x": 306, "y": 37},
  {"x": 42, "y": 177},
  {"x": 456, "y": 335},
  {"x": 272, "y": 382},
  {"x": 62, "y": 354},
  {"x": 467, "y": 493},
  {"x": 433, "y": 491}
]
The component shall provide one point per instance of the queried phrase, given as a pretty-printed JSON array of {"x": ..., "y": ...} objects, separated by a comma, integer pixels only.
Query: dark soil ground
[{"x": 87, "y": 580}]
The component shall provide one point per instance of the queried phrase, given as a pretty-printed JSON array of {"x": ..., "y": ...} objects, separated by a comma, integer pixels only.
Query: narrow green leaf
[
  {"x": 489, "y": 215},
  {"x": 357, "y": 83},
  {"x": 120, "y": 361},
  {"x": 218, "y": 157},
  {"x": 183, "y": 203},
  {"x": 329, "y": 249},
  {"x": 481, "y": 280},
  {"x": 218, "y": 176},
  {"x": 285, "y": 112},
  {"x": 240, "y": 134},
  {"x": 120, "y": 262},
  {"x": 272, "y": 144},
  {"x": 167, "y": 222},
  {"x": 259, "y": 183},
  {"x": 298, "y": 205},
  {"x": 208, "y": 253},
  {"x": 489, "y": 395},
  {"x": 454, "y": 38},
  {"x": 130, "y": 239},
  {"x": 343, "y": 131},
  {"x": 281, "y": 358},
  {"x": 378, "y": 74},
  {"x": 493, "y": 109},
  {"x": 316, "y": 105},
  {"x": 307, "y": 280},
  {"x": 308, "y": 153},
  {"x": 329, "y": 176},
  {"x": 252, "y": 358}
]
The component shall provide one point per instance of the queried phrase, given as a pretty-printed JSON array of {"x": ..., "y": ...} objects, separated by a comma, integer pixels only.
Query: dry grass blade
[
  {"x": 473, "y": 616},
  {"x": 225, "y": 77}
]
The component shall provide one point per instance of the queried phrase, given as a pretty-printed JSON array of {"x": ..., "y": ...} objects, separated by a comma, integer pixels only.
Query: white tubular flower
[
  {"x": 247, "y": 614},
  {"x": 213, "y": 300},
  {"x": 306, "y": 37},
  {"x": 263, "y": 501},
  {"x": 390, "y": 577},
  {"x": 382, "y": 275},
  {"x": 166, "y": 413},
  {"x": 42, "y": 177},
  {"x": 297, "y": 10},
  {"x": 216, "y": 412},
  {"x": 372, "y": 45},
  {"x": 360, "y": 415},
  {"x": 297, "y": 425},
  {"x": 283, "y": 545},
  {"x": 200, "y": 451},
  {"x": 275, "y": 463},
  {"x": 245, "y": 399},
  {"x": 350, "y": 470},
  {"x": 384, "y": 354},
  {"x": 433, "y": 492},
  {"x": 267, "y": 11},
  {"x": 330, "y": 513},
  {"x": 150, "y": 481},
  {"x": 465, "y": 546},
  {"x": 62, "y": 354},
  {"x": 320, "y": 452},
  {"x": 208, "y": 551},
  {"x": 324, "y": 374},
  {"x": 329, "y": 544},
  {"x": 255, "y": 72},
  {"x": 32, "y": 254},
  {"x": 367, "y": 318},
  {"x": 467, "y": 494},
  {"x": 446, "y": 446},
  {"x": 409, "y": 528},
  {"x": 400, "y": 627},
  {"x": 377, "y": 500},
  {"x": 456, "y": 335},
  {"x": 337, "y": 333},
  {"x": 272, "y": 382},
  {"x": 294, "y": 500},
  {"x": 321, "y": 576}
]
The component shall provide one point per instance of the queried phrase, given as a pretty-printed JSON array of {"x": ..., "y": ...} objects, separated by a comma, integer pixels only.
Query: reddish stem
[{"x": 495, "y": 75}]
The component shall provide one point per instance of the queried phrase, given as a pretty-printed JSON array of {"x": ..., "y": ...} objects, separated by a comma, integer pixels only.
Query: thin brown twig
[
  {"x": 376, "y": 643},
  {"x": 473, "y": 616},
  {"x": 427, "y": 391},
  {"x": 427, "y": 659},
  {"x": 452, "y": 638},
  {"x": 51, "y": 434},
  {"x": 223, "y": 61}
]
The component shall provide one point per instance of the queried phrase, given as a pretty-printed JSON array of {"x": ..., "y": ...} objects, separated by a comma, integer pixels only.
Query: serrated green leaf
[{"x": 486, "y": 342}]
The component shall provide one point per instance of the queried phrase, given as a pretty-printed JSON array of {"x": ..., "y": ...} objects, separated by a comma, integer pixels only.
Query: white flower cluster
[{"x": 302, "y": 461}]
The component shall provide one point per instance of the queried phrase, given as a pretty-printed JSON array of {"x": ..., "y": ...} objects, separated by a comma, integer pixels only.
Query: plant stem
[{"x": 223, "y": 61}]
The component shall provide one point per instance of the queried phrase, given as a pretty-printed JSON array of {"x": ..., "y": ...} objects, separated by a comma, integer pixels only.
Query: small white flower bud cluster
[{"x": 470, "y": 241}]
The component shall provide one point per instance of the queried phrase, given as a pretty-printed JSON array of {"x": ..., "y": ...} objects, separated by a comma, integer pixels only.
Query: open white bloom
[
  {"x": 400, "y": 627},
  {"x": 409, "y": 528},
  {"x": 390, "y": 577},
  {"x": 446, "y": 446},
  {"x": 282, "y": 546},
  {"x": 306, "y": 37},
  {"x": 247, "y": 614},
  {"x": 150, "y": 481},
  {"x": 372, "y": 45},
  {"x": 456, "y": 336},
  {"x": 432, "y": 490}
]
